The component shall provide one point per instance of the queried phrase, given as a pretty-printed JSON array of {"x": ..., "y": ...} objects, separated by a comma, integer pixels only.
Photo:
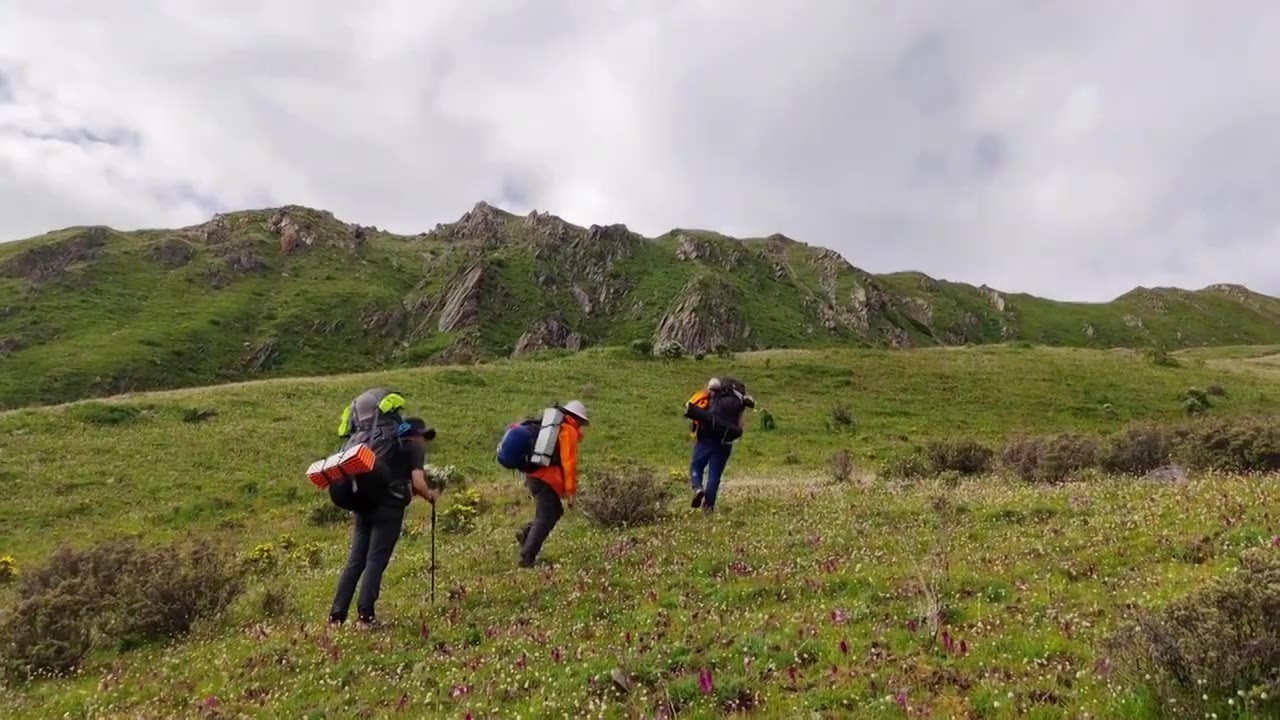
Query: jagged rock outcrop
[
  {"x": 583, "y": 300},
  {"x": 547, "y": 334},
  {"x": 237, "y": 260},
  {"x": 291, "y": 234},
  {"x": 463, "y": 351},
  {"x": 711, "y": 251},
  {"x": 257, "y": 358},
  {"x": 384, "y": 323},
  {"x": 215, "y": 232},
  {"x": 48, "y": 262},
  {"x": 994, "y": 297},
  {"x": 1133, "y": 321},
  {"x": 920, "y": 310},
  {"x": 170, "y": 253},
  {"x": 1240, "y": 292},
  {"x": 462, "y": 299},
  {"x": 700, "y": 320},
  {"x": 483, "y": 222},
  {"x": 547, "y": 227}
]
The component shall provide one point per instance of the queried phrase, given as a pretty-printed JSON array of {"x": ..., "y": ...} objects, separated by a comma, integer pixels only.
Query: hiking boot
[
  {"x": 336, "y": 620},
  {"x": 367, "y": 622},
  {"x": 521, "y": 535},
  {"x": 526, "y": 563},
  {"x": 697, "y": 497}
]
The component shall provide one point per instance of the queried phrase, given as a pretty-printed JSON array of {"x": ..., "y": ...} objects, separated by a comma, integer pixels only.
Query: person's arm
[{"x": 418, "y": 475}]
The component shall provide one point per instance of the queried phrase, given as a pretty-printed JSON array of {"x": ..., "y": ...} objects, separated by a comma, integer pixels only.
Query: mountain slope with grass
[
  {"x": 91, "y": 311},
  {"x": 163, "y": 555}
]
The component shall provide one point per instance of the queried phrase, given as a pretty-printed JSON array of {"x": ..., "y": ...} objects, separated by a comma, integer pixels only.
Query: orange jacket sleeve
[{"x": 569, "y": 458}]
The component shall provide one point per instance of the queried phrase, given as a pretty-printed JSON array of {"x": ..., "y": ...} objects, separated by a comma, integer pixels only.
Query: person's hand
[{"x": 433, "y": 494}]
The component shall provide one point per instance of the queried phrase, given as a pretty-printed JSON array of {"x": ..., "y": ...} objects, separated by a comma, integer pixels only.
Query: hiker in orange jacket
[{"x": 548, "y": 485}]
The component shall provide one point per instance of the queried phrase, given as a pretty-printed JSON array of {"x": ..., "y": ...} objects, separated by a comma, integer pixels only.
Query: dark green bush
[
  {"x": 1052, "y": 458},
  {"x": 1221, "y": 643},
  {"x": 1237, "y": 445},
  {"x": 1160, "y": 357},
  {"x": 642, "y": 347},
  {"x": 105, "y": 414},
  {"x": 841, "y": 466},
  {"x": 670, "y": 351},
  {"x": 911, "y": 466},
  {"x": 198, "y": 415},
  {"x": 625, "y": 495},
  {"x": 1138, "y": 449},
  {"x": 767, "y": 421},
  {"x": 117, "y": 592},
  {"x": 842, "y": 416},
  {"x": 967, "y": 457}
]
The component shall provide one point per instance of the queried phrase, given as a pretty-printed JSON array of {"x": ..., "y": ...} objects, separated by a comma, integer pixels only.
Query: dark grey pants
[
  {"x": 373, "y": 538},
  {"x": 547, "y": 512}
]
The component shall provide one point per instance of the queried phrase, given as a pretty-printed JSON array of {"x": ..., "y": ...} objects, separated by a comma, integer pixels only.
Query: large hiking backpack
[
  {"x": 516, "y": 448},
  {"x": 373, "y": 419},
  {"x": 707, "y": 410}
]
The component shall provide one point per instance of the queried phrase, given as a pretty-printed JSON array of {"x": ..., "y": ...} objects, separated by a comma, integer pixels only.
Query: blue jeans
[{"x": 712, "y": 457}]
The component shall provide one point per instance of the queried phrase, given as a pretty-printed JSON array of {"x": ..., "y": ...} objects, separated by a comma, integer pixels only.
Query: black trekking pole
[{"x": 433, "y": 553}]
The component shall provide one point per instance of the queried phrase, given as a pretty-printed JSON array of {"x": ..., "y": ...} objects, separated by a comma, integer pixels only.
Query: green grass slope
[
  {"x": 292, "y": 291},
  {"x": 797, "y": 598}
]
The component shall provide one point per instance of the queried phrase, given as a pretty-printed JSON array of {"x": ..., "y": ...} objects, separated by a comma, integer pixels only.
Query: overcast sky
[{"x": 1071, "y": 148}]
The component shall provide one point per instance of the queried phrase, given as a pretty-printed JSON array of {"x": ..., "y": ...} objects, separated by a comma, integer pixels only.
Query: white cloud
[{"x": 1072, "y": 149}]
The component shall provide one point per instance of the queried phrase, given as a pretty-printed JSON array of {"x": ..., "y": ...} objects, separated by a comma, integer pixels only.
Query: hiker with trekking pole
[{"x": 376, "y": 474}]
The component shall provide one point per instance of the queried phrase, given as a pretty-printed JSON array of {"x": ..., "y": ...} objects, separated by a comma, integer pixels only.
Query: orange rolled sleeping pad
[{"x": 356, "y": 460}]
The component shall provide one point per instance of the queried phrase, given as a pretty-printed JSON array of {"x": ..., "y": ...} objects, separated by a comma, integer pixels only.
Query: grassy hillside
[
  {"x": 798, "y": 597},
  {"x": 92, "y": 311}
]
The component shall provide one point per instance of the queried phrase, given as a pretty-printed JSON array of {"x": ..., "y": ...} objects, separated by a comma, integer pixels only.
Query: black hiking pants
[
  {"x": 547, "y": 512},
  {"x": 373, "y": 538}
]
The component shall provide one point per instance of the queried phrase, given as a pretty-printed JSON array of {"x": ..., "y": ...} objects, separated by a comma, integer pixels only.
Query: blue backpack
[{"x": 516, "y": 446}]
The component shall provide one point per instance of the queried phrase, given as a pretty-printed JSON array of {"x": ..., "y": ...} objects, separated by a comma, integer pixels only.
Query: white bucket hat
[{"x": 576, "y": 409}]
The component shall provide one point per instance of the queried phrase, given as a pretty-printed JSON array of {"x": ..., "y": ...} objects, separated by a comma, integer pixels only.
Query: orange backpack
[{"x": 701, "y": 399}]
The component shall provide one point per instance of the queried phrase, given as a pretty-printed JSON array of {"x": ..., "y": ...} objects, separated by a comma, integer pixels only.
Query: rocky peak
[
  {"x": 546, "y": 226},
  {"x": 482, "y": 222},
  {"x": 482, "y": 219},
  {"x": 830, "y": 264},
  {"x": 290, "y": 232},
  {"x": 710, "y": 250},
  {"x": 994, "y": 297},
  {"x": 1232, "y": 290}
]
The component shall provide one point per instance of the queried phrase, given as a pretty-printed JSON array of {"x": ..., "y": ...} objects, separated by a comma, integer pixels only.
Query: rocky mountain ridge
[{"x": 294, "y": 290}]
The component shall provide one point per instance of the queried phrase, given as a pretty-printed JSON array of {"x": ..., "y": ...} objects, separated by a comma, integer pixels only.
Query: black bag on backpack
[
  {"x": 372, "y": 419},
  {"x": 719, "y": 420}
]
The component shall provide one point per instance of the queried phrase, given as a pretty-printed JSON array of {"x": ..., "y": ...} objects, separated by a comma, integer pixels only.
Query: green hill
[
  {"x": 799, "y": 597},
  {"x": 91, "y": 311}
]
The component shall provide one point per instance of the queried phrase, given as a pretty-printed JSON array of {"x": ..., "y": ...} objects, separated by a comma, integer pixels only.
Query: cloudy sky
[{"x": 1071, "y": 148}]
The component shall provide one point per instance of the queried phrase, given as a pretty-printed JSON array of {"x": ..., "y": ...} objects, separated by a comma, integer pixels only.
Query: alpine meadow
[{"x": 948, "y": 501}]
